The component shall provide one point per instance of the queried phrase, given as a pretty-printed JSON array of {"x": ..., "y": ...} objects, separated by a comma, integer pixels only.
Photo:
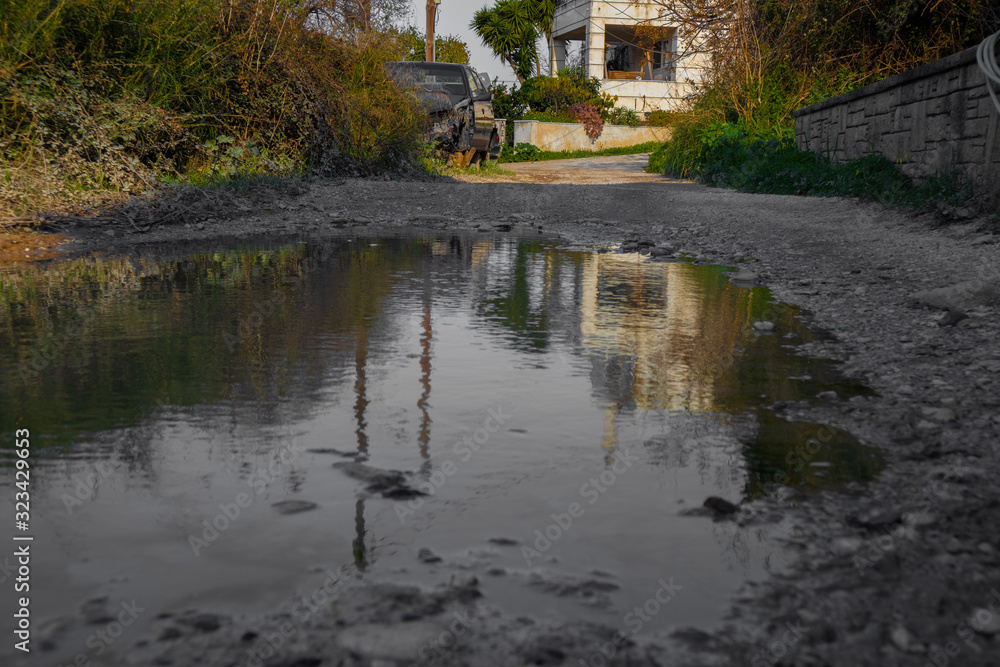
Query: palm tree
[
  {"x": 545, "y": 12},
  {"x": 510, "y": 30}
]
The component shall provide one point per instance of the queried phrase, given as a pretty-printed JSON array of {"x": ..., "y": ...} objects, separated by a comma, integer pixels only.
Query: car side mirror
[{"x": 487, "y": 81}]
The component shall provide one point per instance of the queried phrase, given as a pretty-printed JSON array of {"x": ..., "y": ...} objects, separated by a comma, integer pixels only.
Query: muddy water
[{"x": 562, "y": 411}]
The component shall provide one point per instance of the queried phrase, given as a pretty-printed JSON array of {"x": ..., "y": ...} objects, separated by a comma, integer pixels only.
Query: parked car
[{"x": 459, "y": 107}]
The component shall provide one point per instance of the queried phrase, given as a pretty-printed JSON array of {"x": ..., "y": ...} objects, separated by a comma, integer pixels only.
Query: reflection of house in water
[
  {"x": 661, "y": 336},
  {"x": 638, "y": 56}
]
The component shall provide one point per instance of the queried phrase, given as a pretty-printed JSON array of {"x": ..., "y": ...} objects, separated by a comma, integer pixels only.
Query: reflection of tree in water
[
  {"x": 805, "y": 455},
  {"x": 235, "y": 327},
  {"x": 159, "y": 341}
]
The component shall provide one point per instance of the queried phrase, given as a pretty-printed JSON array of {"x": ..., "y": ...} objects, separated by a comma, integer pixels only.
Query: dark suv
[{"x": 459, "y": 107}]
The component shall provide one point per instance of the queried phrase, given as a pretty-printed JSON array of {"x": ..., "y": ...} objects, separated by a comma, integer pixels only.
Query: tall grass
[{"x": 108, "y": 97}]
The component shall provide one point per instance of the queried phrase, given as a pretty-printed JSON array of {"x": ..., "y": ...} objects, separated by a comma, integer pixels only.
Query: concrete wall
[
  {"x": 573, "y": 136},
  {"x": 645, "y": 96},
  {"x": 930, "y": 119}
]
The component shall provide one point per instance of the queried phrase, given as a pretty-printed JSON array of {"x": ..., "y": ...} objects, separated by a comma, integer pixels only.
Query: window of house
[{"x": 665, "y": 57}]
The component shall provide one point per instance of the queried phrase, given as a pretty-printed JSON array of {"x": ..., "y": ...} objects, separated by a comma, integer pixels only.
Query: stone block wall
[{"x": 932, "y": 119}]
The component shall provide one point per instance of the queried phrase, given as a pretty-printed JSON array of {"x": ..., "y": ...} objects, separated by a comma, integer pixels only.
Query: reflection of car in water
[{"x": 459, "y": 107}]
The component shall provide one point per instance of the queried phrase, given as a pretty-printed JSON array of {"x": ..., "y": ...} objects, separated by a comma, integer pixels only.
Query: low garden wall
[
  {"x": 931, "y": 119},
  {"x": 573, "y": 137}
]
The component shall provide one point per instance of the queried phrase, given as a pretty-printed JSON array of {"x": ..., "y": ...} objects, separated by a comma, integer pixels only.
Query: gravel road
[{"x": 904, "y": 570}]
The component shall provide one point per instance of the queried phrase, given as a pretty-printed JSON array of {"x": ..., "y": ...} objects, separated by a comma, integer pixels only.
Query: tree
[
  {"x": 510, "y": 30},
  {"x": 545, "y": 12},
  {"x": 450, "y": 49},
  {"x": 350, "y": 18}
]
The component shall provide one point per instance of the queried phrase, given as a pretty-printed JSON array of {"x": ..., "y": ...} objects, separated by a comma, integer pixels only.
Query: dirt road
[
  {"x": 902, "y": 571},
  {"x": 585, "y": 171}
]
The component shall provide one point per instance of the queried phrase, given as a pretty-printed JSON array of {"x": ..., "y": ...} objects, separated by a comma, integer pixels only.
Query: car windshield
[{"x": 432, "y": 78}]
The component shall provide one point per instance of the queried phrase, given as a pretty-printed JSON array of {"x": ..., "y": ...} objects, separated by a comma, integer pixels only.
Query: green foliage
[
  {"x": 564, "y": 116},
  {"x": 648, "y": 147},
  {"x": 732, "y": 156},
  {"x": 484, "y": 168},
  {"x": 570, "y": 86},
  {"x": 774, "y": 56},
  {"x": 520, "y": 153},
  {"x": 114, "y": 96},
  {"x": 694, "y": 146},
  {"x": 448, "y": 48},
  {"x": 507, "y": 103},
  {"x": 660, "y": 118},
  {"x": 510, "y": 30},
  {"x": 622, "y": 116}
]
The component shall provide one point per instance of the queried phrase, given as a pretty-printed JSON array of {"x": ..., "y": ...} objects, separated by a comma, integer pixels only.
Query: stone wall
[
  {"x": 573, "y": 136},
  {"x": 931, "y": 119}
]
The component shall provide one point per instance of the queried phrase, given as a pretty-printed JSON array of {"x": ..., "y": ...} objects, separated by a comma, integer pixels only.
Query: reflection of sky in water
[{"x": 185, "y": 381}]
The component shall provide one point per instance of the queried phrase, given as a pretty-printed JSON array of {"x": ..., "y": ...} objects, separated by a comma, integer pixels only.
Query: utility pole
[{"x": 431, "y": 16}]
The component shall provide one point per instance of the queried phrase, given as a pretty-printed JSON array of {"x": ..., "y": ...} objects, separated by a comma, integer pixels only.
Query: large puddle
[{"x": 562, "y": 410}]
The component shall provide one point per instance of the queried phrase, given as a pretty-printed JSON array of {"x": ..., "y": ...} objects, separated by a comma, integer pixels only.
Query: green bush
[
  {"x": 648, "y": 147},
  {"x": 622, "y": 116},
  {"x": 520, "y": 153},
  {"x": 111, "y": 97},
  {"x": 546, "y": 93},
  {"x": 660, "y": 118},
  {"x": 563, "y": 116},
  {"x": 729, "y": 155}
]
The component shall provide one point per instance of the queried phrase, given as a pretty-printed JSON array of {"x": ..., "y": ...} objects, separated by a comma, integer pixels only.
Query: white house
[{"x": 644, "y": 74}]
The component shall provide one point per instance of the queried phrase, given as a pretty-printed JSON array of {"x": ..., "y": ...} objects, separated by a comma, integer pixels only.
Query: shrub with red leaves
[{"x": 590, "y": 116}]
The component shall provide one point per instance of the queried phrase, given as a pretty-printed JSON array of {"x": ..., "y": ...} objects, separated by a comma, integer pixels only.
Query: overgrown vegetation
[
  {"x": 770, "y": 57},
  {"x": 447, "y": 48},
  {"x": 733, "y": 157},
  {"x": 103, "y": 99}
]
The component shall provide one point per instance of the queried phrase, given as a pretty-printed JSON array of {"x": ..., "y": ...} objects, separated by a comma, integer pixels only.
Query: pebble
[
  {"x": 875, "y": 518},
  {"x": 951, "y": 318},
  {"x": 743, "y": 277},
  {"x": 425, "y": 555},
  {"x": 366, "y": 473},
  {"x": 763, "y": 326},
  {"x": 294, "y": 506},
  {"x": 720, "y": 505},
  {"x": 962, "y": 296},
  {"x": 938, "y": 414},
  {"x": 902, "y": 640},
  {"x": 985, "y": 621},
  {"x": 847, "y": 545}
]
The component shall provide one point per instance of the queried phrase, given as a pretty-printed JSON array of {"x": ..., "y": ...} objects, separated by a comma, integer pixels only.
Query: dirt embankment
[{"x": 902, "y": 571}]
